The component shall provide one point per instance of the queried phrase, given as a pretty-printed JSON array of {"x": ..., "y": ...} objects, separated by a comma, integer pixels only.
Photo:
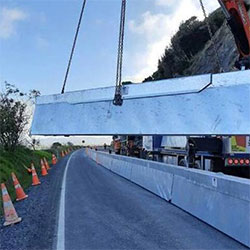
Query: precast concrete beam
[{"x": 216, "y": 104}]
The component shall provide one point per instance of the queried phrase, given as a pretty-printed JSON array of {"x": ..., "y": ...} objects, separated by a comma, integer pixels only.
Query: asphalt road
[{"x": 105, "y": 211}]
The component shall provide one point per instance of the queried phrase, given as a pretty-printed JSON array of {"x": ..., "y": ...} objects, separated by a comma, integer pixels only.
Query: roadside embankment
[
  {"x": 39, "y": 211},
  {"x": 16, "y": 162}
]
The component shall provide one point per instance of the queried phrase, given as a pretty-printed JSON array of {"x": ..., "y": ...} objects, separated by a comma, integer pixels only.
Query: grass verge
[{"x": 15, "y": 162}]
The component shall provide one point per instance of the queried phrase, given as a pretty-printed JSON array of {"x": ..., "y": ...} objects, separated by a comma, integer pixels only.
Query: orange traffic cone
[
  {"x": 10, "y": 213},
  {"x": 46, "y": 163},
  {"x": 54, "y": 160},
  {"x": 20, "y": 195},
  {"x": 43, "y": 169},
  {"x": 48, "y": 166},
  {"x": 35, "y": 180}
]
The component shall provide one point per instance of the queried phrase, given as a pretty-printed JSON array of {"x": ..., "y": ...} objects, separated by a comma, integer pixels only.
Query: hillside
[
  {"x": 191, "y": 51},
  {"x": 204, "y": 62}
]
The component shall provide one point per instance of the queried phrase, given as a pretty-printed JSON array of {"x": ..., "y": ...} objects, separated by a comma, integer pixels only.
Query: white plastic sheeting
[{"x": 183, "y": 106}]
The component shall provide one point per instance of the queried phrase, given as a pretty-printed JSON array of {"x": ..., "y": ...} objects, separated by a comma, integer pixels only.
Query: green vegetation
[
  {"x": 57, "y": 148},
  {"x": 15, "y": 162},
  {"x": 13, "y": 115},
  {"x": 13, "y": 156},
  {"x": 189, "y": 40}
]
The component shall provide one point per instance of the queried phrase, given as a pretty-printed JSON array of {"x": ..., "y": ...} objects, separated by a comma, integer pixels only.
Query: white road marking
[{"x": 61, "y": 220}]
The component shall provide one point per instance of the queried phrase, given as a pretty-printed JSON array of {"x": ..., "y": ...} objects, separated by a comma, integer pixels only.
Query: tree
[
  {"x": 148, "y": 79},
  {"x": 70, "y": 144},
  {"x": 33, "y": 142},
  {"x": 56, "y": 145},
  {"x": 127, "y": 83},
  {"x": 13, "y": 116}
]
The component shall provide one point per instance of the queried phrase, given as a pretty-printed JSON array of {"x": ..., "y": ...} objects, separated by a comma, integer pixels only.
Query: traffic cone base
[
  {"x": 7, "y": 223},
  {"x": 38, "y": 183},
  {"x": 10, "y": 213},
  {"x": 24, "y": 197}
]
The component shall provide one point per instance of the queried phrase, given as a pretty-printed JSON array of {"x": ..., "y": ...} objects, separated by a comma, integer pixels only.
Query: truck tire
[{"x": 182, "y": 163}]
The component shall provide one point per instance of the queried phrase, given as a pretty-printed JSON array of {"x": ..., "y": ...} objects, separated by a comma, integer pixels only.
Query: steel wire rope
[
  {"x": 73, "y": 46},
  {"x": 217, "y": 58},
  {"x": 118, "y": 89}
]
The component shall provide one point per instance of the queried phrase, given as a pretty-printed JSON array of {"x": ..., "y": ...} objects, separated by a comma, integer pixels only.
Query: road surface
[{"x": 101, "y": 210}]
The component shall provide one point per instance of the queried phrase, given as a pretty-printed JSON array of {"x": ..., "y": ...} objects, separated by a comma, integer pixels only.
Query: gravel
[{"x": 39, "y": 212}]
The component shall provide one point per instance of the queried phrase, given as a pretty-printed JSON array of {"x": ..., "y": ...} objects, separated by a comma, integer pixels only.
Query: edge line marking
[{"x": 60, "y": 245}]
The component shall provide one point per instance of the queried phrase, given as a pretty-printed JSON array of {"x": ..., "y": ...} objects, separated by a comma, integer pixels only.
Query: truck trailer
[{"x": 228, "y": 154}]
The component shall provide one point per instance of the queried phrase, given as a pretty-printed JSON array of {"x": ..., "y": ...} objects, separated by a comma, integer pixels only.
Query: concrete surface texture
[{"x": 148, "y": 110}]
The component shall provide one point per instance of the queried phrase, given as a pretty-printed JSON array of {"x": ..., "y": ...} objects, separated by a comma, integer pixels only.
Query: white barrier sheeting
[{"x": 184, "y": 106}]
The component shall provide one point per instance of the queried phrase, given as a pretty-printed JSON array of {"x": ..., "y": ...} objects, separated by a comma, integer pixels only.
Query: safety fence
[{"x": 221, "y": 201}]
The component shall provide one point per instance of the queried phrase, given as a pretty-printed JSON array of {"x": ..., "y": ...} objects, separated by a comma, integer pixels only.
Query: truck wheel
[{"x": 182, "y": 163}]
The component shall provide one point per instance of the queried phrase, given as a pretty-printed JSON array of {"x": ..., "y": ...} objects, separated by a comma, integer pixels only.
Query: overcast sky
[{"x": 36, "y": 38}]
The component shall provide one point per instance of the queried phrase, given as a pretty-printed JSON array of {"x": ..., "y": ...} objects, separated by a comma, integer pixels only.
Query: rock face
[{"x": 205, "y": 61}]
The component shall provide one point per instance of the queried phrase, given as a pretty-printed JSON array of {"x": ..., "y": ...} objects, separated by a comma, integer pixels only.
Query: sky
[{"x": 36, "y": 38}]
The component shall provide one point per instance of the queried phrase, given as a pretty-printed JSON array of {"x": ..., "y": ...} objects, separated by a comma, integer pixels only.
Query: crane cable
[
  {"x": 73, "y": 47},
  {"x": 217, "y": 58},
  {"x": 118, "y": 89}
]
